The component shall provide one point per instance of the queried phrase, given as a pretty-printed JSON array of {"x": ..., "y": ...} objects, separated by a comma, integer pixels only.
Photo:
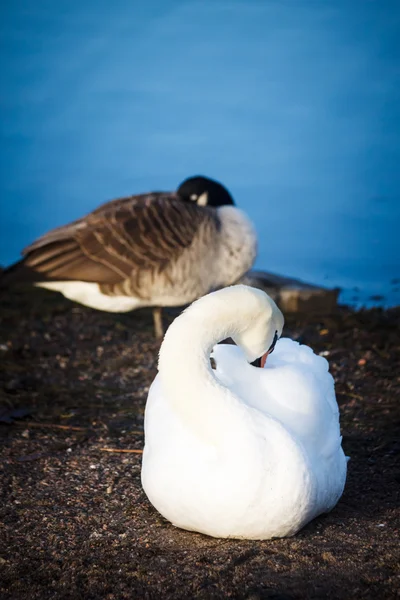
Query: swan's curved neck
[{"x": 210, "y": 409}]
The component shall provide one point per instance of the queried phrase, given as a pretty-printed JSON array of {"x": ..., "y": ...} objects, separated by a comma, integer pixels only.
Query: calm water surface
[{"x": 293, "y": 104}]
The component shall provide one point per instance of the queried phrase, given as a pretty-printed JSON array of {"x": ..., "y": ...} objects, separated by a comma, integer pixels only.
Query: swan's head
[
  {"x": 262, "y": 327},
  {"x": 246, "y": 314}
]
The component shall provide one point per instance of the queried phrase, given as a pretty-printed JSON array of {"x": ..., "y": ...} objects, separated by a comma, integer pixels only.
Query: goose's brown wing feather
[{"x": 145, "y": 232}]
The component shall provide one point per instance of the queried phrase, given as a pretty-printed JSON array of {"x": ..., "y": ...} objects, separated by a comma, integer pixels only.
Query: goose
[
  {"x": 240, "y": 451},
  {"x": 151, "y": 250}
]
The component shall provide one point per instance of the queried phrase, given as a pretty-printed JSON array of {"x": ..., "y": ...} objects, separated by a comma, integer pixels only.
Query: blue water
[{"x": 293, "y": 104}]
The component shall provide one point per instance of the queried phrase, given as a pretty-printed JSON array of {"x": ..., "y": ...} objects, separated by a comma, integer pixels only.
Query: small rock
[
  {"x": 328, "y": 557},
  {"x": 95, "y": 535}
]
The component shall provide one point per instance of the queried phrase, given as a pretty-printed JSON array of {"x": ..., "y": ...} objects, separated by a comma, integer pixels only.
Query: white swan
[{"x": 241, "y": 452}]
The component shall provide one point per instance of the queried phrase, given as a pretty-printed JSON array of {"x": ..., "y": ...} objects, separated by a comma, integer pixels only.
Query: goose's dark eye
[{"x": 272, "y": 347}]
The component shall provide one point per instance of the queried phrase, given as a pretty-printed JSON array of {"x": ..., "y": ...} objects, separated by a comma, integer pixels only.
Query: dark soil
[{"x": 75, "y": 522}]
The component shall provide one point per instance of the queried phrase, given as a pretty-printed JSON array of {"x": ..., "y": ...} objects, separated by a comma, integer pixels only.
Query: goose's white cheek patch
[{"x": 202, "y": 199}]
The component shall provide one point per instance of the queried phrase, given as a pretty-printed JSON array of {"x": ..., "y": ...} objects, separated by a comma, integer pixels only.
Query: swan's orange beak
[
  {"x": 260, "y": 362},
  {"x": 264, "y": 359}
]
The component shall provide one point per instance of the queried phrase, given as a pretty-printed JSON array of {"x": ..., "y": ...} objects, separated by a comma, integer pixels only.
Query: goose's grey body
[{"x": 157, "y": 249}]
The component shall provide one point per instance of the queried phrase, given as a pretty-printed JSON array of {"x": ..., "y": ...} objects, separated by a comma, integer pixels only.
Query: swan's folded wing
[
  {"x": 330, "y": 437},
  {"x": 145, "y": 232}
]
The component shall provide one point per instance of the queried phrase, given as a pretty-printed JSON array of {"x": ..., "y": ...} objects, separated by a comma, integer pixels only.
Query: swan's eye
[
  {"x": 272, "y": 347},
  {"x": 193, "y": 197}
]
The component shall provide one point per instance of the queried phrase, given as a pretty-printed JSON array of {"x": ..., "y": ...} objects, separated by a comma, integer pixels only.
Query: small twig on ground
[
  {"x": 121, "y": 450},
  {"x": 49, "y": 425},
  {"x": 356, "y": 396}
]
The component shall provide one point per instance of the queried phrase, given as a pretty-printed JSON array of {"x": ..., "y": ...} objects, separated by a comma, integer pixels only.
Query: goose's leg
[{"x": 157, "y": 318}]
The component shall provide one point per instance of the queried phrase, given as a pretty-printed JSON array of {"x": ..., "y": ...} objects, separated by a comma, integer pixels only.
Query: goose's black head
[{"x": 204, "y": 192}]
